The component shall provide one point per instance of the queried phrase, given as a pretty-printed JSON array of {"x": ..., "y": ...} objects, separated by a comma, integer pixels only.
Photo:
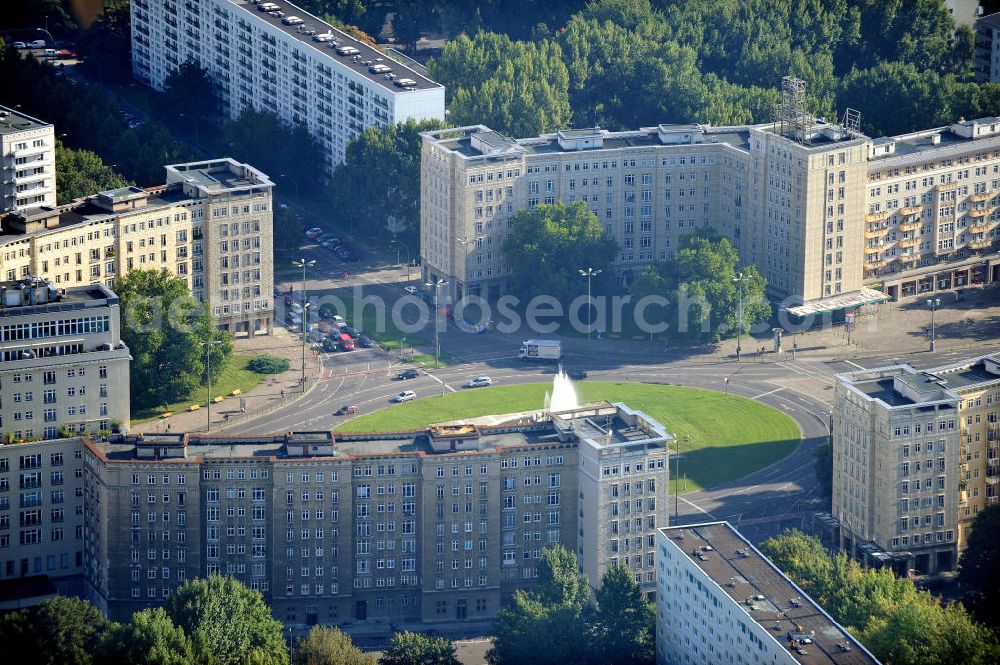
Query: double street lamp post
[
  {"x": 739, "y": 279},
  {"x": 437, "y": 284},
  {"x": 933, "y": 303},
  {"x": 303, "y": 263},
  {"x": 589, "y": 273},
  {"x": 208, "y": 372}
]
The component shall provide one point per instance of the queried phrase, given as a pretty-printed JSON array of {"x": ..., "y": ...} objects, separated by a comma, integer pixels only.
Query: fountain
[{"x": 563, "y": 397}]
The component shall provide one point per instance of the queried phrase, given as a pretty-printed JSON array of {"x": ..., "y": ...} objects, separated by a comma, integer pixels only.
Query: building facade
[
  {"x": 41, "y": 512},
  {"x": 914, "y": 461},
  {"x": 435, "y": 525},
  {"x": 210, "y": 225},
  {"x": 987, "y": 50},
  {"x": 28, "y": 151},
  {"x": 826, "y": 213},
  {"x": 296, "y": 66},
  {"x": 65, "y": 367},
  {"x": 720, "y": 601}
]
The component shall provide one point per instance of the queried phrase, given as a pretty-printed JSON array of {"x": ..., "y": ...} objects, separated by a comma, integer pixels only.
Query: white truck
[{"x": 549, "y": 350}]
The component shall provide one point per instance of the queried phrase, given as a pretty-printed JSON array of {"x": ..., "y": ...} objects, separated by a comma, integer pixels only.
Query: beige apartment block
[
  {"x": 210, "y": 224},
  {"x": 41, "y": 512},
  {"x": 914, "y": 461},
  {"x": 64, "y": 364},
  {"x": 28, "y": 154},
  {"x": 832, "y": 218},
  {"x": 436, "y": 525}
]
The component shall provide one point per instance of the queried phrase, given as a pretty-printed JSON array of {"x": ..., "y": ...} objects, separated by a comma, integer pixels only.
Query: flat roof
[
  {"x": 744, "y": 574},
  {"x": 13, "y": 121},
  {"x": 368, "y": 55},
  {"x": 837, "y": 302},
  {"x": 883, "y": 389},
  {"x": 990, "y": 21}
]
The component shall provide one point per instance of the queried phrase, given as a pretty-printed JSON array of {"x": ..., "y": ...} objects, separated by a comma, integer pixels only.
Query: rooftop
[
  {"x": 767, "y": 595},
  {"x": 361, "y": 62},
  {"x": 32, "y": 295},
  {"x": 12, "y": 121},
  {"x": 990, "y": 21},
  {"x": 882, "y": 389}
]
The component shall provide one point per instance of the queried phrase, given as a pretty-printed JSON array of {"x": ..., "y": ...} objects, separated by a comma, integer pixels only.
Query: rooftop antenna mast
[{"x": 790, "y": 114}]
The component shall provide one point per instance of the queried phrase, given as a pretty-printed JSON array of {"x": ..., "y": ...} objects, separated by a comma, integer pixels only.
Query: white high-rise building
[
  {"x": 284, "y": 61},
  {"x": 28, "y": 171}
]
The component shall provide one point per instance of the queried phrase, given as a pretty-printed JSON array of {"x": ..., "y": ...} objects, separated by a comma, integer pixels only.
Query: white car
[
  {"x": 314, "y": 233},
  {"x": 405, "y": 396},
  {"x": 412, "y": 290},
  {"x": 479, "y": 382}
]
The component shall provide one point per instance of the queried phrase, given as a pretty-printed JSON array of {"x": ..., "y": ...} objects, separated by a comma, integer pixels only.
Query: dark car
[
  {"x": 578, "y": 375},
  {"x": 353, "y": 332},
  {"x": 330, "y": 345},
  {"x": 407, "y": 374},
  {"x": 347, "y": 410},
  {"x": 365, "y": 342}
]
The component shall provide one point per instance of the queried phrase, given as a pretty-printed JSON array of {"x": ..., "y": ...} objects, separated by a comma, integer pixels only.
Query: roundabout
[{"x": 720, "y": 437}]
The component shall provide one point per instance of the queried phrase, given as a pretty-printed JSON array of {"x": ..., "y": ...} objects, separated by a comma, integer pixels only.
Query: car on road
[
  {"x": 20, "y": 45},
  {"x": 347, "y": 410},
  {"x": 38, "y": 43},
  {"x": 405, "y": 396},
  {"x": 66, "y": 55},
  {"x": 314, "y": 233},
  {"x": 577, "y": 375},
  {"x": 407, "y": 374},
  {"x": 412, "y": 290},
  {"x": 479, "y": 382}
]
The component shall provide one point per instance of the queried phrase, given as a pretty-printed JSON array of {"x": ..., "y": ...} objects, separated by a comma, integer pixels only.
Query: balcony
[
  {"x": 980, "y": 227},
  {"x": 913, "y": 210},
  {"x": 878, "y": 216},
  {"x": 979, "y": 198},
  {"x": 906, "y": 243},
  {"x": 873, "y": 233},
  {"x": 992, "y": 480},
  {"x": 979, "y": 212},
  {"x": 873, "y": 251},
  {"x": 874, "y": 265},
  {"x": 909, "y": 225},
  {"x": 980, "y": 244}
]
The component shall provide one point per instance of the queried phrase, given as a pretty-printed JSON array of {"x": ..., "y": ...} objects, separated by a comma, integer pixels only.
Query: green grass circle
[{"x": 721, "y": 437}]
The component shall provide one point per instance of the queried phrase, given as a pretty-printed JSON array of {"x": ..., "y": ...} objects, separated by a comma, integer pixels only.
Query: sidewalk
[{"x": 273, "y": 392}]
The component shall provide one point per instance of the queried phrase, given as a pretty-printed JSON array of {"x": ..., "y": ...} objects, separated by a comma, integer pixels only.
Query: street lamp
[
  {"x": 437, "y": 284},
  {"x": 933, "y": 303},
  {"x": 677, "y": 481},
  {"x": 303, "y": 263},
  {"x": 403, "y": 245},
  {"x": 295, "y": 181},
  {"x": 208, "y": 371},
  {"x": 466, "y": 241},
  {"x": 739, "y": 279},
  {"x": 589, "y": 273}
]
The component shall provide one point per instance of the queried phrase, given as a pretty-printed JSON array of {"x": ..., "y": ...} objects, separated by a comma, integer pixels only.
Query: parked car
[
  {"x": 365, "y": 342},
  {"x": 405, "y": 396},
  {"x": 38, "y": 43},
  {"x": 20, "y": 45},
  {"x": 314, "y": 233},
  {"x": 353, "y": 332},
  {"x": 323, "y": 237},
  {"x": 407, "y": 374},
  {"x": 330, "y": 345},
  {"x": 412, "y": 290},
  {"x": 66, "y": 55},
  {"x": 578, "y": 375},
  {"x": 479, "y": 382},
  {"x": 347, "y": 410}
]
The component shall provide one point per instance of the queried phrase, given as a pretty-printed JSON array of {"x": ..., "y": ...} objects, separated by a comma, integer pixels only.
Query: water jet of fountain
[{"x": 563, "y": 396}]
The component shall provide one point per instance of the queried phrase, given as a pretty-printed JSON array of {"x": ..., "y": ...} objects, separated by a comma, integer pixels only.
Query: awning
[{"x": 838, "y": 302}]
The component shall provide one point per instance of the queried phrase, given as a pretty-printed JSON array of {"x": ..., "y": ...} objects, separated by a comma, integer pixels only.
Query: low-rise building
[
  {"x": 915, "y": 458},
  {"x": 435, "y": 525},
  {"x": 65, "y": 367},
  {"x": 28, "y": 158},
  {"x": 210, "y": 224},
  {"x": 720, "y": 601}
]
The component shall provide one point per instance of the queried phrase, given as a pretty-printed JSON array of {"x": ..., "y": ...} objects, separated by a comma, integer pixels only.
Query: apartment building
[
  {"x": 987, "y": 50},
  {"x": 720, "y": 601},
  {"x": 41, "y": 512},
  {"x": 64, "y": 364},
  {"x": 276, "y": 57},
  {"x": 28, "y": 151},
  {"x": 914, "y": 461},
  {"x": 209, "y": 224},
  {"x": 832, "y": 218},
  {"x": 436, "y": 525}
]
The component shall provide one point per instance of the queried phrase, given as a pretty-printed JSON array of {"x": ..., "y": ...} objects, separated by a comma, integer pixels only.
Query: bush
[{"x": 265, "y": 364}]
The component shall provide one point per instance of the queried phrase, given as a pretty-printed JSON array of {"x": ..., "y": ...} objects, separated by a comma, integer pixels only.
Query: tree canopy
[
  {"x": 164, "y": 327},
  {"x": 323, "y": 645},
  {"x": 228, "y": 620},
  {"x": 149, "y": 638},
  {"x": 82, "y": 173},
  {"x": 549, "y": 244},
  {"x": 890, "y": 616},
  {"x": 979, "y": 566},
  {"x": 384, "y": 164},
  {"x": 409, "y": 648},
  {"x": 62, "y": 631}
]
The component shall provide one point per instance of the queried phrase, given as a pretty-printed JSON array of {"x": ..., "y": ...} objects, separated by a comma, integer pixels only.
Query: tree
[
  {"x": 549, "y": 244},
  {"x": 164, "y": 327},
  {"x": 149, "y": 638},
  {"x": 328, "y": 646},
  {"x": 385, "y": 164},
  {"x": 81, "y": 173},
  {"x": 228, "y": 621},
  {"x": 40, "y": 14},
  {"x": 287, "y": 230},
  {"x": 189, "y": 95},
  {"x": 698, "y": 281},
  {"x": 823, "y": 462},
  {"x": 547, "y": 626},
  {"x": 516, "y": 88},
  {"x": 979, "y": 566},
  {"x": 624, "y": 628},
  {"x": 62, "y": 631},
  {"x": 106, "y": 46},
  {"x": 418, "y": 649}
]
